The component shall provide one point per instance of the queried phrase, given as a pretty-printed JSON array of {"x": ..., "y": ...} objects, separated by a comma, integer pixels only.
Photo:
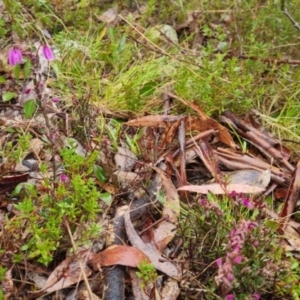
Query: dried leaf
[
  {"x": 109, "y": 16},
  {"x": 68, "y": 272},
  {"x": 125, "y": 159},
  {"x": 118, "y": 255},
  {"x": 166, "y": 229},
  {"x": 127, "y": 178},
  {"x": 158, "y": 261},
  {"x": 154, "y": 121},
  {"x": 170, "y": 290},
  {"x": 7, "y": 284},
  {"x": 293, "y": 237},
  {"x": 217, "y": 189},
  {"x": 250, "y": 177},
  {"x": 291, "y": 198},
  {"x": 36, "y": 146},
  {"x": 222, "y": 133}
]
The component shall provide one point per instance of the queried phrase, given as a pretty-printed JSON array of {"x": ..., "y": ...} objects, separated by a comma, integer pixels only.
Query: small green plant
[
  {"x": 147, "y": 273},
  {"x": 42, "y": 208}
]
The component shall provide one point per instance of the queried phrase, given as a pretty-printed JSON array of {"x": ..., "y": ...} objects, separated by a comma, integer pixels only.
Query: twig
[{"x": 286, "y": 12}]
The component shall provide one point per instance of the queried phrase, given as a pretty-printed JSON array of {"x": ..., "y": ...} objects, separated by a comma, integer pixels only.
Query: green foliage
[
  {"x": 147, "y": 273},
  {"x": 44, "y": 211}
]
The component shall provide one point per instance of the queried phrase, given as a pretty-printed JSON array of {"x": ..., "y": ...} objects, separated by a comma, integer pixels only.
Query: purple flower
[
  {"x": 246, "y": 202},
  {"x": 55, "y": 100},
  {"x": 230, "y": 297},
  {"x": 15, "y": 57},
  {"x": 219, "y": 262},
  {"x": 203, "y": 202},
  {"x": 233, "y": 194},
  {"x": 64, "y": 178},
  {"x": 48, "y": 52}
]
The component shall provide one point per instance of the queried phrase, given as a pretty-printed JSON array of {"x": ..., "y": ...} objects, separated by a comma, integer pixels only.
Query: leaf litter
[{"x": 169, "y": 144}]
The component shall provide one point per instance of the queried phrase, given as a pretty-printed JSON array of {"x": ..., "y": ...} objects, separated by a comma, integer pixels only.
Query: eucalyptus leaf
[
  {"x": 8, "y": 96},
  {"x": 29, "y": 108}
]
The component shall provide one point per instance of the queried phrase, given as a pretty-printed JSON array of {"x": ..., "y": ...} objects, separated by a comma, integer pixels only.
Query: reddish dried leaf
[
  {"x": 222, "y": 133},
  {"x": 14, "y": 179},
  {"x": 118, "y": 255},
  {"x": 291, "y": 198}
]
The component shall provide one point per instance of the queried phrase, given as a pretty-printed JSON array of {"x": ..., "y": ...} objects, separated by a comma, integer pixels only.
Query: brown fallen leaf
[
  {"x": 291, "y": 198},
  {"x": 154, "y": 121},
  {"x": 68, "y": 272},
  {"x": 118, "y": 255},
  {"x": 218, "y": 189},
  {"x": 222, "y": 133},
  {"x": 166, "y": 230},
  {"x": 155, "y": 257}
]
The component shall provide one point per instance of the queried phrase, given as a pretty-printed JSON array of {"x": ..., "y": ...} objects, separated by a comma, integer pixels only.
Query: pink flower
[
  {"x": 233, "y": 194},
  {"x": 15, "y": 57},
  {"x": 230, "y": 277},
  {"x": 55, "y": 100},
  {"x": 255, "y": 296},
  {"x": 255, "y": 243},
  {"x": 48, "y": 52},
  {"x": 238, "y": 259},
  {"x": 64, "y": 178},
  {"x": 219, "y": 262},
  {"x": 230, "y": 297}
]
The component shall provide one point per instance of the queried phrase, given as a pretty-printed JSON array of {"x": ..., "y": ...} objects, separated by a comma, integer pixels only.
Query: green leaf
[
  {"x": 2, "y": 79},
  {"x": 27, "y": 68},
  {"x": 107, "y": 198},
  {"x": 17, "y": 71},
  {"x": 100, "y": 174},
  {"x": 8, "y": 96},
  {"x": 272, "y": 224},
  {"x": 29, "y": 108},
  {"x": 121, "y": 43},
  {"x": 17, "y": 190}
]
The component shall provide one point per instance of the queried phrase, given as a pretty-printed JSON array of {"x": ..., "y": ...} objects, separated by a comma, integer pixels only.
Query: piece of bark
[{"x": 291, "y": 198}]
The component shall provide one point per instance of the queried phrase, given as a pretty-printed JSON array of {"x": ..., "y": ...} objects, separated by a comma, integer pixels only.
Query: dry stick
[
  {"x": 286, "y": 12},
  {"x": 114, "y": 276}
]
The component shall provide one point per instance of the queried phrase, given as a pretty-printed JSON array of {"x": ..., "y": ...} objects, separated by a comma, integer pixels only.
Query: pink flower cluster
[
  {"x": 236, "y": 240},
  {"x": 240, "y": 198},
  {"x": 210, "y": 206}
]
